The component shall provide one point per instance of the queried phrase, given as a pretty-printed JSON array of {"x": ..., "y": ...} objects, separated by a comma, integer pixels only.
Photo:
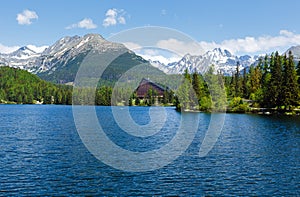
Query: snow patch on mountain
[
  {"x": 41, "y": 59},
  {"x": 295, "y": 51},
  {"x": 222, "y": 60}
]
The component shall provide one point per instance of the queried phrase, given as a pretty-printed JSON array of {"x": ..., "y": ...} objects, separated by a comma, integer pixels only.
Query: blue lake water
[{"x": 41, "y": 153}]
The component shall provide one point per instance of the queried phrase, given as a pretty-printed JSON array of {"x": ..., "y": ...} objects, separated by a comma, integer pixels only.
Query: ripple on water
[{"x": 42, "y": 154}]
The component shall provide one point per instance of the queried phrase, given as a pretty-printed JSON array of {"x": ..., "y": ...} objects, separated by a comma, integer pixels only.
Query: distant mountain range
[
  {"x": 295, "y": 51},
  {"x": 59, "y": 63},
  {"x": 60, "y": 52},
  {"x": 222, "y": 59}
]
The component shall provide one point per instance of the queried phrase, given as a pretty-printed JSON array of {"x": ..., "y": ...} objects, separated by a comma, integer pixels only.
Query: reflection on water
[{"x": 41, "y": 154}]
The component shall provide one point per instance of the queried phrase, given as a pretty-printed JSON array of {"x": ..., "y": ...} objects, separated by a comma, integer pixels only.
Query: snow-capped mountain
[
  {"x": 57, "y": 55},
  {"x": 68, "y": 48},
  {"x": 222, "y": 60},
  {"x": 67, "y": 53},
  {"x": 295, "y": 51},
  {"x": 23, "y": 53},
  {"x": 24, "y": 58}
]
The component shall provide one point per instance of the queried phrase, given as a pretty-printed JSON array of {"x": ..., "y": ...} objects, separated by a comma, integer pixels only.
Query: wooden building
[{"x": 146, "y": 85}]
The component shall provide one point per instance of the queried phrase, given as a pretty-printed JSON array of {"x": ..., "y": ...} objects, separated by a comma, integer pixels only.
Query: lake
[{"x": 41, "y": 153}]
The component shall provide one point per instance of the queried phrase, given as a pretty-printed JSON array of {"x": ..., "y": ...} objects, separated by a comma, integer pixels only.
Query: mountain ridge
[
  {"x": 69, "y": 51},
  {"x": 222, "y": 59}
]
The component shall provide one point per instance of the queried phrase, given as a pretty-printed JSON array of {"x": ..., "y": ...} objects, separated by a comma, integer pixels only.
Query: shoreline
[{"x": 258, "y": 111}]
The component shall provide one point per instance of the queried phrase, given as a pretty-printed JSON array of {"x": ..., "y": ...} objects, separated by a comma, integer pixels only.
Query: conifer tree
[
  {"x": 298, "y": 73},
  {"x": 216, "y": 89},
  {"x": 244, "y": 84},
  {"x": 237, "y": 84},
  {"x": 290, "y": 85},
  {"x": 275, "y": 85},
  {"x": 197, "y": 85},
  {"x": 255, "y": 78}
]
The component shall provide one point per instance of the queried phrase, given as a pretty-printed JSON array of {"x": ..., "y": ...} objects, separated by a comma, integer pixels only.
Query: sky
[{"x": 242, "y": 27}]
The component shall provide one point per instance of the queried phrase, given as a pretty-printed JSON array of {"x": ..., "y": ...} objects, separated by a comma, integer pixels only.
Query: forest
[
  {"x": 272, "y": 84},
  {"x": 22, "y": 87}
]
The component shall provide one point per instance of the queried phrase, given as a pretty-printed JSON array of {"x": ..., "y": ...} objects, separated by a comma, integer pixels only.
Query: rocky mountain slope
[
  {"x": 222, "y": 59},
  {"x": 59, "y": 62}
]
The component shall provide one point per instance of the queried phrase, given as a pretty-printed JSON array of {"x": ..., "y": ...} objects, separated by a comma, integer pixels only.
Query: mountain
[
  {"x": 24, "y": 58},
  {"x": 295, "y": 51},
  {"x": 222, "y": 59},
  {"x": 59, "y": 62}
]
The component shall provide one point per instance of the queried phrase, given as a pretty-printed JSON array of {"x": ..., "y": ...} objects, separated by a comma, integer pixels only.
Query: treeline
[
  {"x": 102, "y": 95},
  {"x": 106, "y": 95},
  {"x": 152, "y": 98},
  {"x": 19, "y": 86},
  {"x": 204, "y": 93},
  {"x": 273, "y": 83}
]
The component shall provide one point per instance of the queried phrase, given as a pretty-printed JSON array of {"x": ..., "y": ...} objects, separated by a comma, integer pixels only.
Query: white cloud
[
  {"x": 163, "y": 12},
  {"x": 7, "y": 49},
  {"x": 36, "y": 48},
  {"x": 160, "y": 58},
  {"x": 132, "y": 46},
  {"x": 86, "y": 23},
  {"x": 180, "y": 47},
  {"x": 114, "y": 17},
  {"x": 122, "y": 20},
  {"x": 26, "y": 17},
  {"x": 247, "y": 45},
  {"x": 255, "y": 45},
  {"x": 153, "y": 53},
  {"x": 240, "y": 46}
]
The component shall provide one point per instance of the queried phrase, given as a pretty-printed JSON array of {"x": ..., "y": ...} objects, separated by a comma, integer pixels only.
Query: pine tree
[
  {"x": 290, "y": 85},
  {"x": 137, "y": 101},
  {"x": 237, "y": 81},
  {"x": 217, "y": 90},
  {"x": 197, "y": 85},
  {"x": 244, "y": 84},
  {"x": 255, "y": 80},
  {"x": 275, "y": 85},
  {"x": 298, "y": 73}
]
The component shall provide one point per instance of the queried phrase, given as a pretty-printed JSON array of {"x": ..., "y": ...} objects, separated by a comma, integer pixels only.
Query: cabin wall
[{"x": 143, "y": 89}]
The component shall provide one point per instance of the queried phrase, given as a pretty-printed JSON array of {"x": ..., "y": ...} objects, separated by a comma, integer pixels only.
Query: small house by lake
[{"x": 146, "y": 86}]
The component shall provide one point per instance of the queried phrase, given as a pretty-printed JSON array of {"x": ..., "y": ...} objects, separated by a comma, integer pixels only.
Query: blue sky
[{"x": 252, "y": 27}]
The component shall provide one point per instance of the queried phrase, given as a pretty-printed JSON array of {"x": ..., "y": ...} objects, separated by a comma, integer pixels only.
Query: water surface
[{"x": 41, "y": 154}]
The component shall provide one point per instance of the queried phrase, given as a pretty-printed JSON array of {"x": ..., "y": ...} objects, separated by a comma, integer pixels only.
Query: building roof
[
  {"x": 146, "y": 84},
  {"x": 145, "y": 81}
]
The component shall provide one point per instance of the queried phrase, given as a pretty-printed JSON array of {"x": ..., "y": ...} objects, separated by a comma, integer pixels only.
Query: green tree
[
  {"x": 290, "y": 86},
  {"x": 137, "y": 101},
  {"x": 197, "y": 85},
  {"x": 275, "y": 87},
  {"x": 186, "y": 94},
  {"x": 298, "y": 73},
  {"x": 245, "y": 90},
  {"x": 255, "y": 76},
  {"x": 237, "y": 81},
  {"x": 255, "y": 85},
  {"x": 216, "y": 89}
]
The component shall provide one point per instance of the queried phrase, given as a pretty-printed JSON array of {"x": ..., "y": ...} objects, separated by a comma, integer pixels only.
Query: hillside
[{"x": 20, "y": 86}]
